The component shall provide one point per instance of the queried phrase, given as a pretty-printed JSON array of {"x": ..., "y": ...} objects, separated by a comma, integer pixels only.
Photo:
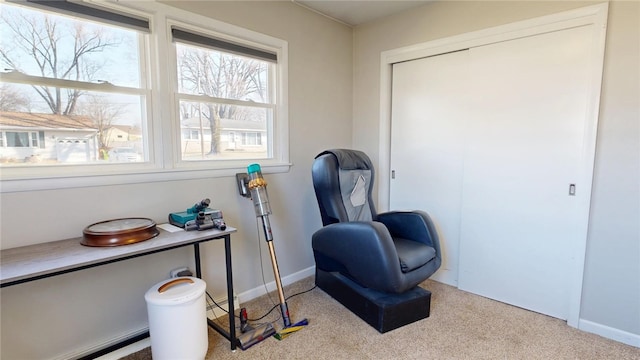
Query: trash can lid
[{"x": 175, "y": 291}]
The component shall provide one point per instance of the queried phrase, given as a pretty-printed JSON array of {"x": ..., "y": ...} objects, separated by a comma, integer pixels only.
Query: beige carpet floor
[{"x": 461, "y": 326}]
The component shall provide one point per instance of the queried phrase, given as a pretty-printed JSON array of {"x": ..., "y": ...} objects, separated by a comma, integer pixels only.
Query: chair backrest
[{"x": 343, "y": 182}]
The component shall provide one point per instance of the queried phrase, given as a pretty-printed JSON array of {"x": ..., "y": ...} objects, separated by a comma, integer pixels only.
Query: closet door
[
  {"x": 520, "y": 220},
  {"x": 490, "y": 142},
  {"x": 429, "y": 113}
]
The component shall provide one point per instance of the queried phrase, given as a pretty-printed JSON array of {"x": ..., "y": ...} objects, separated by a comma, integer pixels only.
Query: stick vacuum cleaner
[{"x": 254, "y": 186}]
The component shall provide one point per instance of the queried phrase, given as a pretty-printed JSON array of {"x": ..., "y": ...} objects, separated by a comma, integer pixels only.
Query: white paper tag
[
  {"x": 358, "y": 194},
  {"x": 170, "y": 228}
]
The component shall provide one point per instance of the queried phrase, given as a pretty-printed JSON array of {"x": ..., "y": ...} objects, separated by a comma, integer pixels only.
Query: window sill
[{"x": 69, "y": 182}]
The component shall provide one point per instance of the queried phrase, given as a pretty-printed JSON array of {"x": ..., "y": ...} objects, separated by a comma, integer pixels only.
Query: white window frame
[
  {"x": 163, "y": 128},
  {"x": 31, "y": 137}
]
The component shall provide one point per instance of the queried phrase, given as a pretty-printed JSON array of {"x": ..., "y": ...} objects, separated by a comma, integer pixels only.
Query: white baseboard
[
  {"x": 289, "y": 279},
  {"x": 609, "y": 332},
  {"x": 130, "y": 349},
  {"x": 127, "y": 350}
]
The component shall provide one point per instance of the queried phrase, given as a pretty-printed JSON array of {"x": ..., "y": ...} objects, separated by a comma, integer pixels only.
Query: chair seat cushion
[{"x": 413, "y": 254}]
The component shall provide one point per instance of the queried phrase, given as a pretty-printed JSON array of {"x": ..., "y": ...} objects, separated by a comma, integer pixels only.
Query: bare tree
[
  {"x": 223, "y": 76},
  {"x": 57, "y": 49},
  {"x": 103, "y": 113},
  {"x": 12, "y": 99}
]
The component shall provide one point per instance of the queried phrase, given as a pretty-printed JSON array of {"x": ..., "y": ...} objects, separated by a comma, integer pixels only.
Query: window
[
  {"x": 190, "y": 134},
  {"x": 34, "y": 139},
  {"x": 222, "y": 86},
  {"x": 68, "y": 76},
  {"x": 17, "y": 139},
  {"x": 20, "y": 139},
  {"x": 107, "y": 87},
  {"x": 251, "y": 138}
]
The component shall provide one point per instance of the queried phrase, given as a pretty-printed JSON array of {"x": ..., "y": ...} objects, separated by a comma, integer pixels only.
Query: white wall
[
  {"x": 57, "y": 317},
  {"x": 611, "y": 290}
]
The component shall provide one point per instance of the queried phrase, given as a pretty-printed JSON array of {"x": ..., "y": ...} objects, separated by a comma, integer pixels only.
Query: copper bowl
[{"x": 118, "y": 232}]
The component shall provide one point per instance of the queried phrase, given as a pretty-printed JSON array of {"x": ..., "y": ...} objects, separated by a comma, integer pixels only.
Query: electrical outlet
[{"x": 181, "y": 271}]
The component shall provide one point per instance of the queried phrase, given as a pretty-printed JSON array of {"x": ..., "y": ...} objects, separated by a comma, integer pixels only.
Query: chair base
[{"x": 383, "y": 311}]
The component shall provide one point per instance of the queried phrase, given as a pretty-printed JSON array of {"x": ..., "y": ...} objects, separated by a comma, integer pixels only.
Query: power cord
[
  {"x": 264, "y": 283},
  {"x": 276, "y": 305},
  {"x": 211, "y": 300}
]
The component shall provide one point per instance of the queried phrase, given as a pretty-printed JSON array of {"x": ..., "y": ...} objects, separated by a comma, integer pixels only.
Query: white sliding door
[
  {"x": 495, "y": 143},
  {"x": 519, "y": 221}
]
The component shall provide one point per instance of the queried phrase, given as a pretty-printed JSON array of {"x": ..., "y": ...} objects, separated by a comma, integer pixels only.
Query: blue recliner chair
[{"x": 371, "y": 263}]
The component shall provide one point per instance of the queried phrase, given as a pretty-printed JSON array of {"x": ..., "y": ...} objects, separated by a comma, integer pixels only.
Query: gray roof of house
[{"x": 45, "y": 121}]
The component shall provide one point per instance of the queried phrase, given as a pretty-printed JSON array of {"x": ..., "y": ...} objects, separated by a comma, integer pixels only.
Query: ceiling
[{"x": 356, "y": 12}]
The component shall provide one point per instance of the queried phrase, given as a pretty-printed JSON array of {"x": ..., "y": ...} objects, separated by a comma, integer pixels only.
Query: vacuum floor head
[{"x": 255, "y": 335}]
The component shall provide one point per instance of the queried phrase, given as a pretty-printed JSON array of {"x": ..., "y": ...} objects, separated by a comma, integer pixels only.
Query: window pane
[
  {"x": 220, "y": 129},
  {"x": 100, "y": 122},
  {"x": 50, "y": 45},
  {"x": 214, "y": 73},
  {"x": 251, "y": 138},
  {"x": 34, "y": 139},
  {"x": 17, "y": 139}
]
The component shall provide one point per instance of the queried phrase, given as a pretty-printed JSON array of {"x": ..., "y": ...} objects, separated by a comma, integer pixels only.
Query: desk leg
[
  {"x": 196, "y": 252},
  {"x": 231, "y": 335},
  {"x": 230, "y": 303}
]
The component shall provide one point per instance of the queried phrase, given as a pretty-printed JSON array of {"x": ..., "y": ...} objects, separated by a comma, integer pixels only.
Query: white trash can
[{"x": 177, "y": 313}]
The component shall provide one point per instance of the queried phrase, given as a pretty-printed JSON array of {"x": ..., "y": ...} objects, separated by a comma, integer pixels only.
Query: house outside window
[{"x": 118, "y": 93}]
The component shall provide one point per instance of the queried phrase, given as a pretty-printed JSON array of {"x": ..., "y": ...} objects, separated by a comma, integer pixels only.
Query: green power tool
[{"x": 179, "y": 219}]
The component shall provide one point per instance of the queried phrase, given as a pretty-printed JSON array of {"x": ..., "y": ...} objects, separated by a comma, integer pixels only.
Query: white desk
[{"x": 34, "y": 262}]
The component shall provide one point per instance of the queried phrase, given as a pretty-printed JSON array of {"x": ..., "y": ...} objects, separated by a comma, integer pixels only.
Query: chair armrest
[
  {"x": 364, "y": 249},
  {"x": 413, "y": 225}
]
